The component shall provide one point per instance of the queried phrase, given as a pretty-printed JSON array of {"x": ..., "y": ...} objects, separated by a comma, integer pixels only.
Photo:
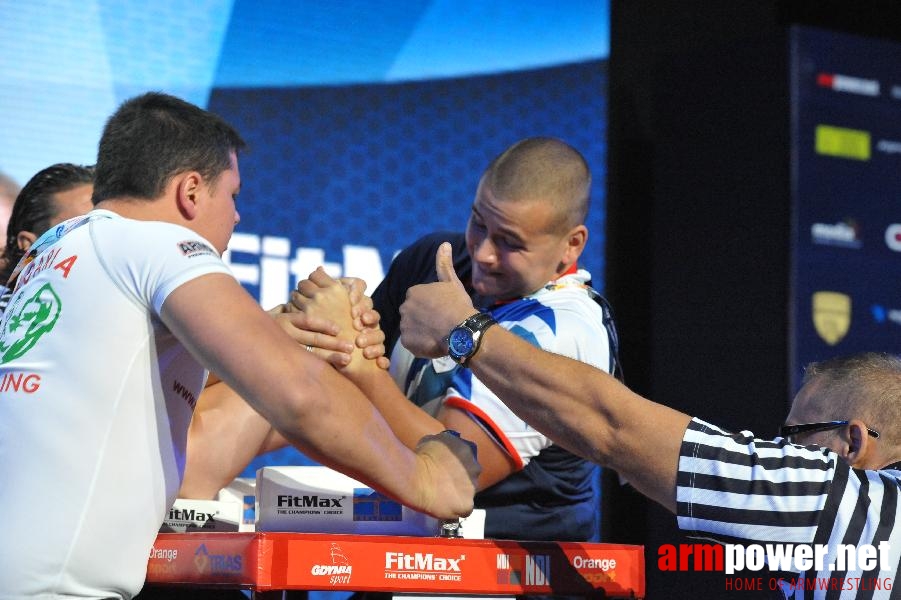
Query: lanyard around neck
[{"x": 49, "y": 238}]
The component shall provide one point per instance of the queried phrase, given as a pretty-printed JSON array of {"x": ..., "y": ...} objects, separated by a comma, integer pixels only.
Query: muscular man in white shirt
[{"x": 104, "y": 349}]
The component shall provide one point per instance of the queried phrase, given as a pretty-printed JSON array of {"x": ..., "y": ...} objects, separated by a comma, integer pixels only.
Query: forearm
[
  {"x": 224, "y": 436},
  {"x": 408, "y": 421},
  {"x": 309, "y": 403},
  {"x": 340, "y": 428},
  {"x": 585, "y": 410},
  {"x": 331, "y": 421}
]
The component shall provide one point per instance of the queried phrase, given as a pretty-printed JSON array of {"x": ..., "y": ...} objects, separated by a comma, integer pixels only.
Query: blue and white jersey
[
  {"x": 561, "y": 317},
  {"x": 551, "y": 496}
]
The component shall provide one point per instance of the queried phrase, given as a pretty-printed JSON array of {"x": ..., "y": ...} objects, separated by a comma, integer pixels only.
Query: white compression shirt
[{"x": 95, "y": 400}]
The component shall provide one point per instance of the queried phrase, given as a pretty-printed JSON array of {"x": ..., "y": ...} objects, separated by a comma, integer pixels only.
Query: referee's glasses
[{"x": 787, "y": 431}]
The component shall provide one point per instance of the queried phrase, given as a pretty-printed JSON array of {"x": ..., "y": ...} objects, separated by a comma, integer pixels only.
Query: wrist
[
  {"x": 465, "y": 339},
  {"x": 365, "y": 373}
]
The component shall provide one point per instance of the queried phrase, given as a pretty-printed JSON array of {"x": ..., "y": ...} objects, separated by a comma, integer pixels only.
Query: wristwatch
[{"x": 464, "y": 339}]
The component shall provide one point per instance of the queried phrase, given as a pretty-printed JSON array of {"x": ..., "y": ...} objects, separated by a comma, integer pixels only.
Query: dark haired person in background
[
  {"x": 114, "y": 320},
  {"x": 841, "y": 487},
  {"x": 52, "y": 195}
]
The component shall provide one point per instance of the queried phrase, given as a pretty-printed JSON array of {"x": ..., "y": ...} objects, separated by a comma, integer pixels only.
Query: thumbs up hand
[{"x": 431, "y": 310}]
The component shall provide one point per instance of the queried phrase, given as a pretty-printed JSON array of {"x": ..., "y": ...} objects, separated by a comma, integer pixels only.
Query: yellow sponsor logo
[
  {"x": 831, "y": 315},
  {"x": 843, "y": 143}
]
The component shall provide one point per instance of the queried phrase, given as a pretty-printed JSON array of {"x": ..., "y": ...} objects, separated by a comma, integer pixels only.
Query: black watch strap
[{"x": 477, "y": 324}]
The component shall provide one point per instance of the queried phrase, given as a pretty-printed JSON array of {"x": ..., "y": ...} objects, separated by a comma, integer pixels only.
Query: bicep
[
  {"x": 497, "y": 464},
  {"x": 221, "y": 325}
]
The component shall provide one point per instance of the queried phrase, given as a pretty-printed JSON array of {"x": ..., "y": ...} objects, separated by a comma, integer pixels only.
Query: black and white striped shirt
[{"x": 735, "y": 489}]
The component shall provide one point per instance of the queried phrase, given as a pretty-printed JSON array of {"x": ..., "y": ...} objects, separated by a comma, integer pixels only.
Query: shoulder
[
  {"x": 575, "y": 329},
  {"x": 110, "y": 221},
  {"x": 149, "y": 259},
  {"x": 703, "y": 442},
  {"x": 117, "y": 236},
  {"x": 565, "y": 302}
]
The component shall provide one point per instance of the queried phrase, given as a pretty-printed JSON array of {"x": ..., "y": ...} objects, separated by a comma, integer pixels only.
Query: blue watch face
[{"x": 460, "y": 342}]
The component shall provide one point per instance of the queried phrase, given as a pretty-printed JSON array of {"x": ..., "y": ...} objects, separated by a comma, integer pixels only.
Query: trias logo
[
  {"x": 314, "y": 501},
  {"x": 207, "y": 562}
]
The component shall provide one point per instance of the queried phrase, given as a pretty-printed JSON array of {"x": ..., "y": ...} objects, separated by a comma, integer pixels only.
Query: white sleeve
[{"x": 167, "y": 256}]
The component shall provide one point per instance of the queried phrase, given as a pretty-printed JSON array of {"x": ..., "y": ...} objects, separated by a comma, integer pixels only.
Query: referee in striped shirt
[
  {"x": 839, "y": 489},
  {"x": 830, "y": 481}
]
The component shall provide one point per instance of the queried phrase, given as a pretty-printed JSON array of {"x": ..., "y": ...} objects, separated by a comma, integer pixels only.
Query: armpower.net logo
[{"x": 743, "y": 565}]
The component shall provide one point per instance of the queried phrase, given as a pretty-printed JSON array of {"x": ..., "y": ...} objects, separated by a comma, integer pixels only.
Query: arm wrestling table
[{"x": 268, "y": 563}]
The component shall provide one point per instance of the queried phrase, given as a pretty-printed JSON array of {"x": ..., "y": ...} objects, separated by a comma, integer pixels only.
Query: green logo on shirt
[{"x": 26, "y": 320}]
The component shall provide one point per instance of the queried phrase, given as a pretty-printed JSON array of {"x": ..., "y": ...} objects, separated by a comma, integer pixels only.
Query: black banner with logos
[{"x": 846, "y": 188}]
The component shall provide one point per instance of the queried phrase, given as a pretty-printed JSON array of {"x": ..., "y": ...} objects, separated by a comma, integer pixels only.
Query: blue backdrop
[{"x": 368, "y": 123}]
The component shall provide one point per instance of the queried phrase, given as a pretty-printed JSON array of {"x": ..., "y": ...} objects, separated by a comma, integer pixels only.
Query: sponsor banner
[
  {"x": 845, "y": 226},
  {"x": 310, "y": 561}
]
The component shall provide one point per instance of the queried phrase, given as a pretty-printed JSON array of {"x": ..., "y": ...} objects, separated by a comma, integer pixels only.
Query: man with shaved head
[{"x": 523, "y": 241}]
